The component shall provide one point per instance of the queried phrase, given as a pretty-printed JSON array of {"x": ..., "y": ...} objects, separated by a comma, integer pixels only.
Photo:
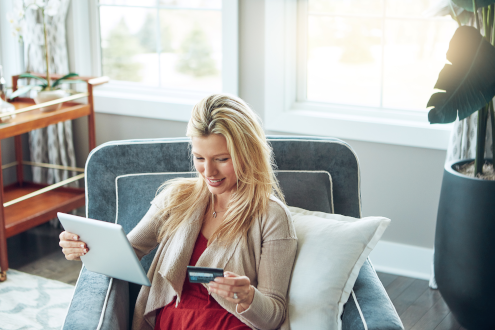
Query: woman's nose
[{"x": 210, "y": 169}]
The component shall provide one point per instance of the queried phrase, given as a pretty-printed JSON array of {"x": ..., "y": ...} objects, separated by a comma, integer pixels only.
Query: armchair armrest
[
  {"x": 99, "y": 302},
  {"x": 377, "y": 310}
]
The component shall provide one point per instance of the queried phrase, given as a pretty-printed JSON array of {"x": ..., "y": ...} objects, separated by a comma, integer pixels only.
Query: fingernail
[
  {"x": 85, "y": 251},
  {"x": 75, "y": 237},
  {"x": 82, "y": 245}
]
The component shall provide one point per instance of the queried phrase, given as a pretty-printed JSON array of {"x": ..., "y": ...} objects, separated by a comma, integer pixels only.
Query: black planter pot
[{"x": 465, "y": 248}]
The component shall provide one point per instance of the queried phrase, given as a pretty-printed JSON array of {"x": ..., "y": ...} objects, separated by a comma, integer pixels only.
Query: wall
[
  {"x": 113, "y": 127},
  {"x": 401, "y": 183}
]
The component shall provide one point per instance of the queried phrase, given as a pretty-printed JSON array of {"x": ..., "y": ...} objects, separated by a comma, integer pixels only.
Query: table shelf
[
  {"x": 32, "y": 210},
  {"x": 28, "y": 121},
  {"x": 36, "y": 210}
]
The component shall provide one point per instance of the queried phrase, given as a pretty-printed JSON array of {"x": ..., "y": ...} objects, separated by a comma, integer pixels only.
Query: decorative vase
[
  {"x": 465, "y": 247},
  {"x": 45, "y": 96}
]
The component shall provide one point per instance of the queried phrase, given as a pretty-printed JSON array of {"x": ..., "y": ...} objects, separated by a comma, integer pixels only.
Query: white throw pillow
[{"x": 331, "y": 249}]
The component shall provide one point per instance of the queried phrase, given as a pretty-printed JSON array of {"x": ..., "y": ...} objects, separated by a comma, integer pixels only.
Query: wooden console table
[{"x": 24, "y": 205}]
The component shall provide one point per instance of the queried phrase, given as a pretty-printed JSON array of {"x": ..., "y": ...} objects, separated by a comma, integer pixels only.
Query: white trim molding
[
  {"x": 287, "y": 110},
  {"x": 401, "y": 259}
]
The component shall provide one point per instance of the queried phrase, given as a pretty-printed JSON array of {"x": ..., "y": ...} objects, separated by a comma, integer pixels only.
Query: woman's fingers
[
  {"x": 229, "y": 288},
  {"x": 230, "y": 274},
  {"x": 74, "y": 254},
  {"x": 235, "y": 289},
  {"x": 73, "y": 244},
  {"x": 72, "y": 248},
  {"x": 232, "y": 287},
  {"x": 233, "y": 281},
  {"x": 228, "y": 292},
  {"x": 79, "y": 251},
  {"x": 229, "y": 295},
  {"x": 76, "y": 257},
  {"x": 66, "y": 236}
]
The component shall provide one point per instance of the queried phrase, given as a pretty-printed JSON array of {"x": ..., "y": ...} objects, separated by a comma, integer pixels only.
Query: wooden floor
[
  {"x": 420, "y": 308},
  {"x": 37, "y": 252}
]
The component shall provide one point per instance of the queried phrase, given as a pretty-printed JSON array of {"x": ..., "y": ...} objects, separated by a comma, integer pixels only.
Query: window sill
[
  {"x": 148, "y": 102},
  {"x": 406, "y": 128}
]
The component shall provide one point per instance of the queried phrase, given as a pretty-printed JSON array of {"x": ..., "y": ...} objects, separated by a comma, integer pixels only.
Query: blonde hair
[{"x": 252, "y": 158}]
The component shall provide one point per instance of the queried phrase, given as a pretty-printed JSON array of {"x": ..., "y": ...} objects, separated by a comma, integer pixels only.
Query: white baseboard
[{"x": 401, "y": 259}]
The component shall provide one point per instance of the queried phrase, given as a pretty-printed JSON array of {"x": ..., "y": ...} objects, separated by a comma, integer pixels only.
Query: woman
[{"x": 227, "y": 217}]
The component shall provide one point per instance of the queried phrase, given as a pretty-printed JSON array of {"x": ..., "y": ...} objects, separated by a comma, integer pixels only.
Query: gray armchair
[{"x": 318, "y": 174}]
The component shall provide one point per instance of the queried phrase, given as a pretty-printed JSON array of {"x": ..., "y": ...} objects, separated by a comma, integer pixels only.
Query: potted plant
[
  {"x": 48, "y": 90},
  {"x": 465, "y": 232}
]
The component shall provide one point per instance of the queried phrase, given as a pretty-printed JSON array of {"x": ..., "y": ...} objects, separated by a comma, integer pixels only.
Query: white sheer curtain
[{"x": 52, "y": 144}]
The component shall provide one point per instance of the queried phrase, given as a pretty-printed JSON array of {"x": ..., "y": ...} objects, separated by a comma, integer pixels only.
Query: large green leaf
[
  {"x": 22, "y": 90},
  {"x": 69, "y": 81},
  {"x": 469, "y": 82},
  {"x": 468, "y": 4},
  {"x": 70, "y": 75},
  {"x": 28, "y": 75}
]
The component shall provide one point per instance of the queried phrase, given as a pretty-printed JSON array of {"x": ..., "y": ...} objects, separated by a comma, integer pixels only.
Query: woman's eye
[
  {"x": 223, "y": 159},
  {"x": 198, "y": 158}
]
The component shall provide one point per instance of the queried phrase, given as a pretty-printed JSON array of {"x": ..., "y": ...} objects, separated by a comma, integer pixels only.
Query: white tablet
[{"x": 110, "y": 252}]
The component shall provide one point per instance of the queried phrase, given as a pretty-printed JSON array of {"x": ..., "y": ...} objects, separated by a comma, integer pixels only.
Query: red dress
[{"x": 197, "y": 309}]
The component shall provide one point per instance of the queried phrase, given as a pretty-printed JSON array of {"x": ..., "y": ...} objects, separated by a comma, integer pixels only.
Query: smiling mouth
[{"x": 215, "y": 181}]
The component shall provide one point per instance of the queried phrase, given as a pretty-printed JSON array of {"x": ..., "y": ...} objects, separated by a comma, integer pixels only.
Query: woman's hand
[
  {"x": 233, "y": 283},
  {"x": 71, "y": 246}
]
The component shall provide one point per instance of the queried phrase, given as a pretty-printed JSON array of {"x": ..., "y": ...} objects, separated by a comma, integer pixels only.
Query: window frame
[
  {"x": 11, "y": 51},
  {"x": 287, "y": 110},
  {"x": 126, "y": 98}
]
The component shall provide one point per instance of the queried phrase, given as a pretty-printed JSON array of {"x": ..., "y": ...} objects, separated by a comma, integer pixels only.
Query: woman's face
[{"x": 212, "y": 160}]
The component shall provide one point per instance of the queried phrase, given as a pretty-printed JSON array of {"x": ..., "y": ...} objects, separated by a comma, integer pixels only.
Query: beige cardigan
[{"x": 266, "y": 256}]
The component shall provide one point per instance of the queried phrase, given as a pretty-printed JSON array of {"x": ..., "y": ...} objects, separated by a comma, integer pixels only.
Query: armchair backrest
[
  {"x": 319, "y": 174},
  {"x": 122, "y": 177}
]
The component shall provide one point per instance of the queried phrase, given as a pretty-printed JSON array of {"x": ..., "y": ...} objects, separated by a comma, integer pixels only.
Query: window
[
  {"x": 165, "y": 43},
  {"x": 374, "y": 53},
  {"x": 162, "y": 55},
  {"x": 355, "y": 69}
]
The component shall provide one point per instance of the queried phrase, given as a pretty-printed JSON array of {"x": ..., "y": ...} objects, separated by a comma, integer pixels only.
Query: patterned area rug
[{"x": 32, "y": 302}]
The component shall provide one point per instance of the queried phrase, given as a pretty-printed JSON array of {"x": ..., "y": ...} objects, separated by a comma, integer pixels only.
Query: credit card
[{"x": 203, "y": 274}]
